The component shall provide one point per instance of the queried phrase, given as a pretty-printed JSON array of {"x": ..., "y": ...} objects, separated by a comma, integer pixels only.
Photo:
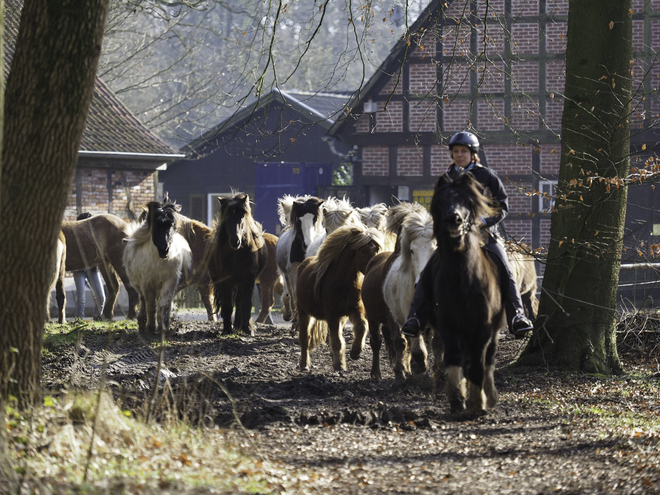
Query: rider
[{"x": 463, "y": 150}]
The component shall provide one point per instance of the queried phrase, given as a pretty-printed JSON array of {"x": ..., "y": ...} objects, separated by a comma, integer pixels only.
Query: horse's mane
[
  {"x": 482, "y": 206},
  {"x": 397, "y": 214},
  {"x": 417, "y": 224},
  {"x": 140, "y": 230},
  {"x": 349, "y": 237},
  {"x": 338, "y": 212},
  {"x": 249, "y": 231},
  {"x": 284, "y": 205},
  {"x": 374, "y": 216}
]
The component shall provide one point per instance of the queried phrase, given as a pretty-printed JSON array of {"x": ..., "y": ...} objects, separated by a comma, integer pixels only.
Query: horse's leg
[
  {"x": 142, "y": 314},
  {"x": 337, "y": 344},
  {"x": 376, "y": 342},
  {"x": 304, "y": 338},
  {"x": 475, "y": 377},
  {"x": 400, "y": 347},
  {"x": 60, "y": 297},
  {"x": 438, "y": 358},
  {"x": 419, "y": 354},
  {"x": 267, "y": 301},
  {"x": 226, "y": 307},
  {"x": 360, "y": 326},
  {"x": 492, "y": 395},
  {"x": 244, "y": 307},
  {"x": 152, "y": 307},
  {"x": 204, "y": 289},
  {"x": 455, "y": 387},
  {"x": 112, "y": 285},
  {"x": 165, "y": 307},
  {"x": 286, "y": 299}
]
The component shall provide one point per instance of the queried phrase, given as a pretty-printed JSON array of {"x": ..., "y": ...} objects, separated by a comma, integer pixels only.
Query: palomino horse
[
  {"x": 378, "y": 313},
  {"x": 302, "y": 219},
  {"x": 99, "y": 241},
  {"x": 376, "y": 216},
  {"x": 157, "y": 258},
  {"x": 58, "y": 281},
  {"x": 466, "y": 293},
  {"x": 329, "y": 291},
  {"x": 238, "y": 256},
  {"x": 336, "y": 213}
]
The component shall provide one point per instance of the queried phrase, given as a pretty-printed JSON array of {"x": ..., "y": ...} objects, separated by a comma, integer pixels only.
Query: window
[{"x": 547, "y": 189}]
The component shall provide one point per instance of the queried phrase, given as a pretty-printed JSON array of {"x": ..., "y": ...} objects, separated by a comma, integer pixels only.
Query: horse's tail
[{"x": 318, "y": 333}]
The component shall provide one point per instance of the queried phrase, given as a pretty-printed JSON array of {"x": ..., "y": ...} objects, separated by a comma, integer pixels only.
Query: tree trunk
[
  {"x": 49, "y": 90},
  {"x": 576, "y": 327}
]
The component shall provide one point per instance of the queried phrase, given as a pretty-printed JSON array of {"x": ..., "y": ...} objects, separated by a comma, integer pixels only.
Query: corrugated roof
[{"x": 110, "y": 126}]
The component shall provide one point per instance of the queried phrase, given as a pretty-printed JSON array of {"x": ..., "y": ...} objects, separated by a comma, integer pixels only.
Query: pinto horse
[
  {"x": 238, "y": 256},
  {"x": 466, "y": 292},
  {"x": 329, "y": 291},
  {"x": 302, "y": 219},
  {"x": 157, "y": 258},
  {"x": 99, "y": 241},
  {"x": 410, "y": 250}
]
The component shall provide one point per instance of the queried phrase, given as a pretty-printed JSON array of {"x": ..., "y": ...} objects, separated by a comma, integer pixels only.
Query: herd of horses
[{"x": 332, "y": 263}]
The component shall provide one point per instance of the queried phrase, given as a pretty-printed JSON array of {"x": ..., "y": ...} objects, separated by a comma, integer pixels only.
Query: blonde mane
[
  {"x": 417, "y": 224},
  {"x": 338, "y": 212},
  {"x": 398, "y": 213},
  {"x": 347, "y": 238},
  {"x": 374, "y": 216}
]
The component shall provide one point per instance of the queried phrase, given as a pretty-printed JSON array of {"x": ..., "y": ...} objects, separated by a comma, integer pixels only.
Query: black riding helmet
[{"x": 465, "y": 139}]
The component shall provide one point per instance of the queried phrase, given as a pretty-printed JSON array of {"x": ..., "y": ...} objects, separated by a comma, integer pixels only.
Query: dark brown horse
[
  {"x": 99, "y": 241},
  {"x": 329, "y": 290},
  {"x": 466, "y": 293},
  {"x": 238, "y": 256}
]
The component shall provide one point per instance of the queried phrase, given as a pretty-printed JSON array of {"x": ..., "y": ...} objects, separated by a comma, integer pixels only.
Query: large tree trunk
[
  {"x": 576, "y": 325},
  {"x": 49, "y": 90}
]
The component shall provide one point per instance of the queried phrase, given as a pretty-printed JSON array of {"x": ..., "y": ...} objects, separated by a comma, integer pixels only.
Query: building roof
[
  {"x": 111, "y": 130},
  {"x": 316, "y": 108}
]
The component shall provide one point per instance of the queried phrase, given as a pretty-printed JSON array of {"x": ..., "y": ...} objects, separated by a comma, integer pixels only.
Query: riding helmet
[{"x": 465, "y": 139}]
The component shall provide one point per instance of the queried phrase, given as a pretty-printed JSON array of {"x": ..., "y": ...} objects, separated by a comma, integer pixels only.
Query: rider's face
[{"x": 461, "y": 155}]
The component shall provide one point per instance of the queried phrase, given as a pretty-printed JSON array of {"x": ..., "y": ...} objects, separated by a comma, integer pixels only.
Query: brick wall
[
  {"x": 410, "y": 161},
  {"x": 422, "y": 78},
  {"x": 555, "y": 76},
  {"x": 525, "y": 38},
  {"x": 456, "y": 115},
  {"x": 490, "y": 77},
  {"x": 490, "y": 115},
  {"x": 390, "y": 120},
  {"x": 509, "y": 159},
  {"x": 520, "y": 230},
  {"x": 524, "y": 114},
  {"x": 456, "y": 79},
  {"x": 555, "y": 37},
  {"x": 423, "y": 116},
  {"x": 550, "y": 156},
  {"x": 554, "y": 108},
  {"x": 525, "y": 77},
  {"x": 439, "y": 160},
  {"x": 135, "y": 186},
  {"x": 524, "y": 7},
  {"x": 392, "y": 88},
  {"x": 558, "y": 7},
  {"x": 375, "y": 160}
]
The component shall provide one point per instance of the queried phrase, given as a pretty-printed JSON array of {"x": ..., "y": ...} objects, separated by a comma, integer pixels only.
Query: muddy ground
[{"x": 550, "y": 433}]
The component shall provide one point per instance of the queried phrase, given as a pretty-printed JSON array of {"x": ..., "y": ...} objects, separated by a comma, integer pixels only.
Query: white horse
[
  {"x": 156, "y": 258},
  {"x": 336, "y": 213},
  {"x": 302, "y": 221},
  {"x": 415, "y": 247}
]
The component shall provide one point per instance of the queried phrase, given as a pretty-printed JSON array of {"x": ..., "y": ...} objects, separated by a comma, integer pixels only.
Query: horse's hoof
[
  {"x": 457, "y": 406},
  {"x": 375, "y": 376},
  {"x": 355, "y": 355},
  {"x": 399, "y": 376}
]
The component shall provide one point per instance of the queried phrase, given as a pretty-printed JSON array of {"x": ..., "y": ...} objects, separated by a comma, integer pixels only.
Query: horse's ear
[
  {"x": 223, "y": 202},
  {"x": 166, "y": 198},
  {"x": 176, "y": 207}
]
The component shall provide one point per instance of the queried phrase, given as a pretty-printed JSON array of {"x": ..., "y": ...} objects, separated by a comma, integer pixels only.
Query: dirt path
[{"x": 550, "y": 433}]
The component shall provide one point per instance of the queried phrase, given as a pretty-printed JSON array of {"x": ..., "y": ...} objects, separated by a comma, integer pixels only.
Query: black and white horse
[{"x": 156, "y": 257}]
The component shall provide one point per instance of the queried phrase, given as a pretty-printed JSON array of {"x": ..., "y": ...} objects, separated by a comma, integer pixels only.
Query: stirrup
[
  {"x": 412, "y": 327},
  {"x": 520, "y": 326}
]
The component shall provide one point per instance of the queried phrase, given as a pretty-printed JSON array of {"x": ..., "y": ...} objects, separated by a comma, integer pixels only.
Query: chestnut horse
[
  {"x": 466, "y": 293},
  {"x": 329, "y": 291},
  {"x": 238, "y": 256},
  {"x": 99, "y": 241}
]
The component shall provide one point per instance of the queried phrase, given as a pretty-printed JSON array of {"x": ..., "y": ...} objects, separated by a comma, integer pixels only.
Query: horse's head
[
  {"x": 337, "y": 213},
  {"x": 306, "y": 218},
  {"x": 366, "y": 246},
  {"x": 236, "y": 219},
  {"x": 374, "y": 216},
  {"x": 163, "y": 222},
  {"x": 416, "y": 242},
  {"x": 457, "y": 205}
]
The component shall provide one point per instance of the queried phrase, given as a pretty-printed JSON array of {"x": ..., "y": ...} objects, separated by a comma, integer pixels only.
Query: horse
[
  {"x": 99, "y": 241},
  {"x": 376, "y": 216},
  {"x": 379, "y": 315},
  {"x": 156, "y": 258},
  {"x": 466, "y": 293},
  {"x": 301, "y": 217},
  {"x": 336, "y": 213},
  {"x": 523, "y": 267},
  {"x": 238, "y": 256},
  {"x": 269, "y": 280},
  {"x": 329, "y": 291},
  {"x": 57, "y": 282}
]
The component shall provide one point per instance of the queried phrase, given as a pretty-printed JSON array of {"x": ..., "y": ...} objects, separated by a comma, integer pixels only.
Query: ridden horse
[
  {"x": 329, "y": 287},
  {"x": 57, "y": 282},
  {"x": 238, "y": 256},
  {"x": 99, "y": 241},
  {"x": 301, "y": 216},
  {"x": 157, "y": 258},
  {"x": 378, "y": 313},
  {"x": 466, "y": 293},
  {"x": 336, "y": 213}
]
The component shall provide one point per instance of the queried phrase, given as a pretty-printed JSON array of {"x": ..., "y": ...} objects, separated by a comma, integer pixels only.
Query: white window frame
[
  {"x": 213, "y": 205},
  {"x": 549, "y": 187}
]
